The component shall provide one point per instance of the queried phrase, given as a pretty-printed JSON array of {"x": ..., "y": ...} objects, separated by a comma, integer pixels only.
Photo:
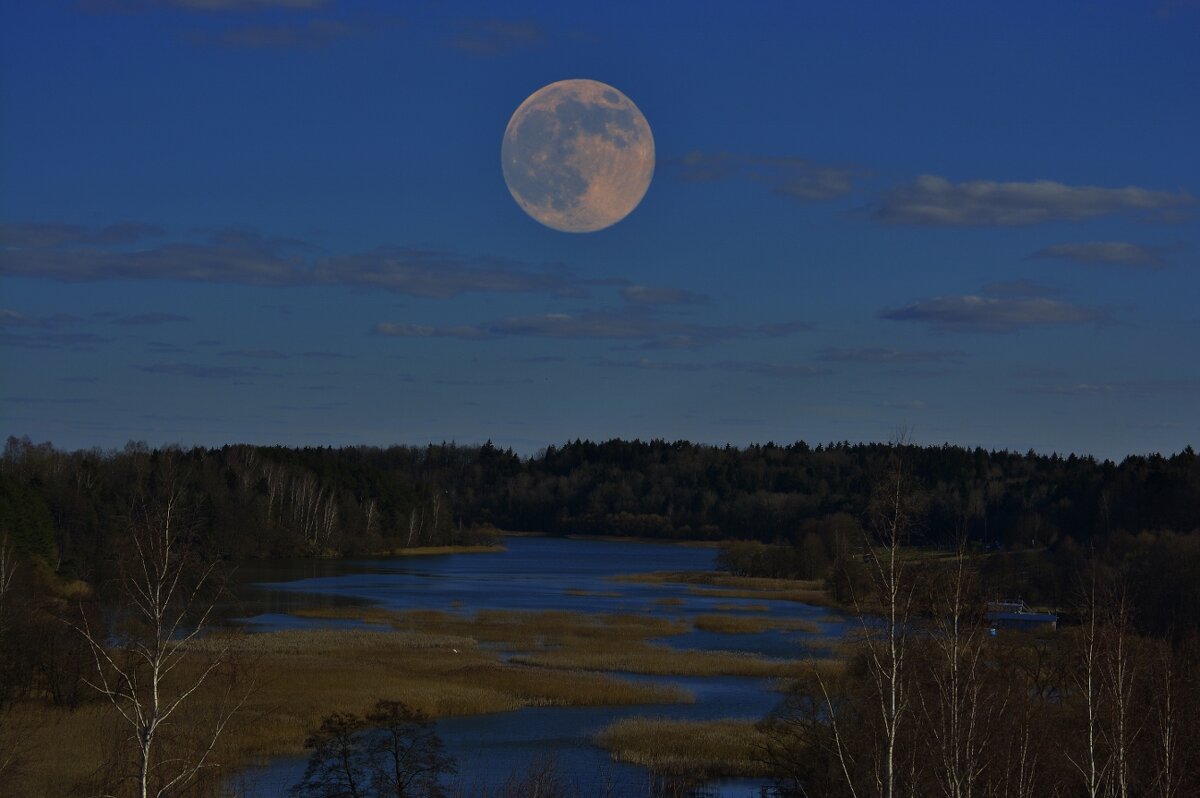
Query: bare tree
[
  {"x": 1119, "y": 670},
  {"x": 885, "y": 617},
  {"x": 1091, "y": 763},
  {"x": 956, "y": 711},
  {"x": 144, "y": 664},
  {"x": 1166, "y": 724}
]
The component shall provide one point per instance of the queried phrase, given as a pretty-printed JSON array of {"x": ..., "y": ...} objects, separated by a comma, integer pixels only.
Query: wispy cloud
[
  {"x": 1135, "y": 387},
  {"x": 309, "y": 34},
  {"x": 148, "y": 319},
  {"x": 1120, "y": 253},
  {"x": 933, "y": 200},
  {"x": 244, "y": 258},
  {"x": 213, "y": 6},
  {"x": 40, "y": 339},
  {"x": 794, "y": 178},
  {"x": 198, "y": 370},
  {"x": 23, "y": 236},
  {"x": 775, "y": 370},
  {"x": 884, "y": 356},
  {"x": 783, "y": 329},
  {"x": 20, "y": 331},
  {"x": 12, "y": 318},
  {"x": 48, "y": 400},
  {"x": 650, "y": 332},
  {"x": 496, "y": 37},
  {"x": 784, "y": 370},
  {"x": 643, "y": 330},
  {"x": 324, "y": 355},
  {"x": 1001, "y": 309},
  {"x": 661, "y": 295},
  {"x": 257, "y": 354},
  {"x": 442, "y": 275},
  {"x": 429, "y": 331}
]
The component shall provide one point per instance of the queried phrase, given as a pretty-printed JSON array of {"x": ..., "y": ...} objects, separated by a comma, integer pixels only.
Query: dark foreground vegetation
[{"x": 109, "y": 560}]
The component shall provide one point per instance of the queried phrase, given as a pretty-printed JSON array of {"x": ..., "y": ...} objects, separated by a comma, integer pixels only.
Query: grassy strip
[
  {"x": 712, "y": 584},
  {"x": 661, "y": 661},
  {"x": 696, "y": 749},
  {"x": 519, "y": 631},
  {"x": 742, "y": 624},
  {"x": 295, "y": 678},
  {"x": 579, "y": 591},
  {"x": 563, "y": 640},
  {"x": 740, "y": 607}
]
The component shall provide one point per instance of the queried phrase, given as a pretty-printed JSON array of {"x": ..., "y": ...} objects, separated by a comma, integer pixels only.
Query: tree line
[{"x": 797, "y": 508}]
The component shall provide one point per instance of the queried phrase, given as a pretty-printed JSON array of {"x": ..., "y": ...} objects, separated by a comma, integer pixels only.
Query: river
[{"x": 534, "y": 573}]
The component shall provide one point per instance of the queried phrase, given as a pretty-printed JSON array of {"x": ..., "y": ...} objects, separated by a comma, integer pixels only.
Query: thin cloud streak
[
  {"x": 312, "y": 34},
  {"x": 661, "y": 295},
  {"x": 198, "y": 371},
  {"x": 211, "y": 6},
  {"x": 497, "y": 37},
  {"x": 887, "y": 356},
  {"x": 1120, "y": 253},
  {"x": 794, "y": 178},
  {"x": 648, "y": 332},
  {"x": 69, "y": 254},
  {"x": 933, "y": 200},
  {"x": 973, "y": 313},
  {"x": 148, "y": 319},
  {"x": 775, "y": 370}
]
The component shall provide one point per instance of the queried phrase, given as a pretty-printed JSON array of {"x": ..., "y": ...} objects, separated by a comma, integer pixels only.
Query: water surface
[{"x": 535, "y": 574}]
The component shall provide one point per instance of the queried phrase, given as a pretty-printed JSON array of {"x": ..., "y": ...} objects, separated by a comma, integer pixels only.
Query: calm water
[{"x": 533, "y": 574}]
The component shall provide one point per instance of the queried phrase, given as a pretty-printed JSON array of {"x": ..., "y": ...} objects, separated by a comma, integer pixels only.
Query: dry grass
[
  {"x": 579, "y": 591},
  {"x": 711, "y": 584},
  {"x": 740, "y": 607},
  {"x": 563, "y": 640},
  {"x": 519, "y": 631},
  {"x": 742, "y": 624},
  {"x": 697, "y": 749},
  {"x": 441, "y": 662},
  {"x": 662, "y": 661},
  {"x": 295, "y": 678}
]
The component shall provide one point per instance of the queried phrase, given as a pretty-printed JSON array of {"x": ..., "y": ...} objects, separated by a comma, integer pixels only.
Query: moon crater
[{"x": 578, "y": 156}]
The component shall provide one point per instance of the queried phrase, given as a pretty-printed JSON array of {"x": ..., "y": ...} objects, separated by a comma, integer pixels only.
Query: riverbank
[
  {"x": 714, "y": 584},
  {"x": 290, "y": 680}
]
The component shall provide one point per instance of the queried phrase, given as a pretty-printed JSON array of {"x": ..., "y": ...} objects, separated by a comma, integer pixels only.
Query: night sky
[{"x": 285, "y": 221}]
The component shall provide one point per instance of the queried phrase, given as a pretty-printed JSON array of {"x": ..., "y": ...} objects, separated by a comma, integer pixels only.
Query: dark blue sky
[{"x": 284, "y": 221}]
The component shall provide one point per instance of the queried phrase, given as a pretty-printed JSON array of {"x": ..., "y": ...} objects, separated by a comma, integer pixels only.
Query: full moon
[{"x": 577, "y": 156}]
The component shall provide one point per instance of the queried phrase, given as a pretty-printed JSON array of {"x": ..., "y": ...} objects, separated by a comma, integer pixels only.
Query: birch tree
[
  {"x": 957, "y": 713},
  {"x": 1119, "y": 669},
  {"x": 144, "y": 665},
  {"x": 1090, "y": 763},
  {"x": 885, "y": 617}
]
